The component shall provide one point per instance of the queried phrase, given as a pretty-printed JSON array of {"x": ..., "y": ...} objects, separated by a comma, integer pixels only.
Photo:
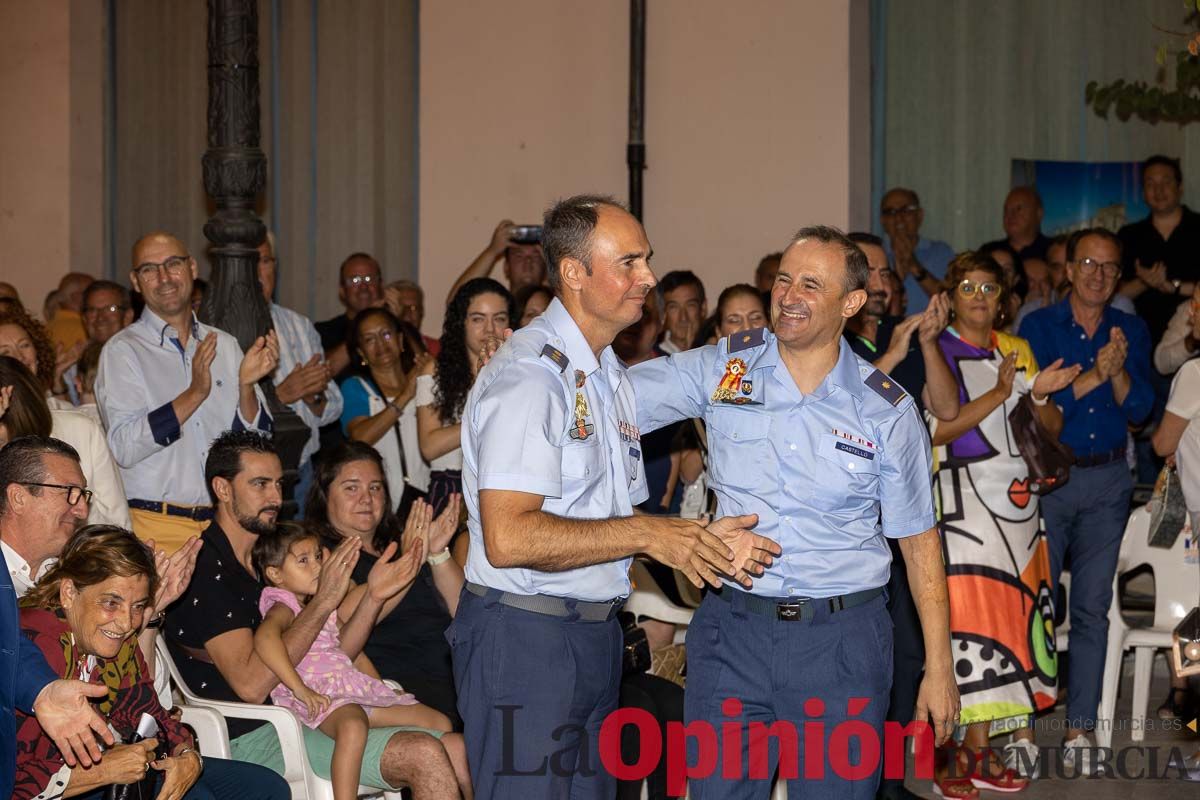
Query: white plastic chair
[
  {"x": 648, "y": 600},
  {"x": 212, "y": 734},
  {"x": 304, "y": 783},
  {"x": 1175, "y": 590}
]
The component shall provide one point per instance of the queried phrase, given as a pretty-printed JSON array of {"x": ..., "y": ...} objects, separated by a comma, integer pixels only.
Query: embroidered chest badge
[
  {"x": 582, "y": 429},
  {"x": 731, "y": 382}
]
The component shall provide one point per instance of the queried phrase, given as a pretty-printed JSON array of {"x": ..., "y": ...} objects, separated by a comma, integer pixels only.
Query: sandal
[
  {"x": 1008, "y": 781},
  {"x": 985, "y": 776},
  {"x": 955, "y": 788}
]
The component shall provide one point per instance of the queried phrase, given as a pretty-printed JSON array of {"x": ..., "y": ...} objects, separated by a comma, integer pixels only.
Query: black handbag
[
  {"x": 635, "y": 657},
  {"x": 1049, "y": 460}
]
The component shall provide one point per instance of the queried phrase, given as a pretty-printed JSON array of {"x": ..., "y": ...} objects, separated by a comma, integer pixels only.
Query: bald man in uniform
[{"x": 167, "y": 387}]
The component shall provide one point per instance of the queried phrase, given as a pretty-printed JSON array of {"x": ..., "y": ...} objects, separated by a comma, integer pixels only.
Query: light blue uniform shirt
[
  {"x": 830, "y": 474},
  {"x": 934, "y": 256},
  {"x": 517, "y": 435},
  {"x": 143, "y": 368},
  {"x": 298, "y": 342}
]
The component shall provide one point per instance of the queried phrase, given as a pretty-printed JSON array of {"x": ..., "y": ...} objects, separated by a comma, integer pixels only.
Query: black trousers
[{"x": 908, "y": 649}]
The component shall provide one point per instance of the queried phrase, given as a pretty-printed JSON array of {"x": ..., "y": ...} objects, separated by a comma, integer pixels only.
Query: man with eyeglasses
[
  {"x": 167, "y": 386},
  {"x": 302, "y": 378},
  {"x": 44, "y": 500},
  {"x": 106, "y": 310},
  {"x": 1085, "y": 518},
  {"x": 360, "y": 286},
  {"x": 920, "y": 263}
]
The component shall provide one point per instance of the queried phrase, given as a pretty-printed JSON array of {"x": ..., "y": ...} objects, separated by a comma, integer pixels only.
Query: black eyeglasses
[
  {"x": 892, "y": 212},
  {"x": 73, "y": 492},
  {"x": 1089, "y": 266}
]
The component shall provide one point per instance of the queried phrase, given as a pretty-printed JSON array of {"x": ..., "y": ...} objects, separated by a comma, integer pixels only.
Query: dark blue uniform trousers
[
  {"x": 533, "y": 691},
  {"x": 815, "y": 675}
]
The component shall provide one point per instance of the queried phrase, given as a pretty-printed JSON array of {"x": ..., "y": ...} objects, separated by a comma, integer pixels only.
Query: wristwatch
[{"x": 439, "y": 558}]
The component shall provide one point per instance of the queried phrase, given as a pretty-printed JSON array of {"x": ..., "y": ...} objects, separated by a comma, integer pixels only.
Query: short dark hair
[
  {"x": 567, "y": 231},
  {"x": 857, "y": 268},
  {"x": 23, "y": 461},
  {"x": 1163, "y": 161},
  {"x": 1078, "y": 236},
  {"x": 678, "y": 278},
  {"x": 767, "y": 259},
  {"x": 106, "y": 286},
  {"x": 862, "y": 237},
  {"x": 271, "y": 548},
  {"x": 225, "y": 455}
]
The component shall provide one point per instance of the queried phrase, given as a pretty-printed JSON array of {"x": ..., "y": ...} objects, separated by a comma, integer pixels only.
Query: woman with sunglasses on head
[
  {"x": 997, "y": 561},
  {"x": 378, "y": 402}
]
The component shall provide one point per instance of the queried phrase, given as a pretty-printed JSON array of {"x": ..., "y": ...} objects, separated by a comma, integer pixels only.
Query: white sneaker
[
  {"x": 1079, "y": 755},
  {"x": 1023, "y": 757}
]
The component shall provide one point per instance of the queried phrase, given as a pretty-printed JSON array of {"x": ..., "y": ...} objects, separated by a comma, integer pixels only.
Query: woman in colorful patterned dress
[{"x": 997, "y": 562}]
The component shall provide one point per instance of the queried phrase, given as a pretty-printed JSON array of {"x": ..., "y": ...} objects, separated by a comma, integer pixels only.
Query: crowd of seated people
[{"x": 122, "y": 415}]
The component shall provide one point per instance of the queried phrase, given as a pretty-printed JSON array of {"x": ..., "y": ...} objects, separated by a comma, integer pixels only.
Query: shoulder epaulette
[
  {"x": 554, "y": 354},
  {"x": 744, "y": 340},
  {"x": 886, "y": 388}
]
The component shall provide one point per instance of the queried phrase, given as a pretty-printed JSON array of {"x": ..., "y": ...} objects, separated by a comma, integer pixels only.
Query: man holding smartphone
[{"x": 521, "y": 248}]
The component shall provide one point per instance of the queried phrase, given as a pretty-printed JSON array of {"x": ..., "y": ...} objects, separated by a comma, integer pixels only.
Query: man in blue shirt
[
  {"x": 167, "y": 387},
  {"x": 919, "y": 262},
  {"x": 1085, "y": 518},
  {"x": 551, "y": 471},
  {"x": 832, "y": 457}
]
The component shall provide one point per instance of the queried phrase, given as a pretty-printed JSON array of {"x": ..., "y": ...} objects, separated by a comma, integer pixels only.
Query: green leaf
[{"x": 1160, "y": 57}]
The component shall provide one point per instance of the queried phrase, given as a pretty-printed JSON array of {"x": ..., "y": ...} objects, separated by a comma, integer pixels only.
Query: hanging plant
[{"x": 1157, "y": 103}]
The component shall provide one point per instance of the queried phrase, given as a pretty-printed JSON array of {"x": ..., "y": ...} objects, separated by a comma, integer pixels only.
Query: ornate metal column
[{"x": 235, "y": 172}]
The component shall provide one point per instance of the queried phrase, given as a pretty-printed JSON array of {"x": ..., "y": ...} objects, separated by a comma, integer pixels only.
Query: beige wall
[
  {"x": 51, "y": 142},
  {"x": 750, "y": 128}
]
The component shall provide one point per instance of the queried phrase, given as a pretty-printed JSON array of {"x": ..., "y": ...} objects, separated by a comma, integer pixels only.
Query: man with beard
[
  {"x": 167, "y": 386},
  {"x": 211, "y": 629},
  {"x": 833, "y": 458}
]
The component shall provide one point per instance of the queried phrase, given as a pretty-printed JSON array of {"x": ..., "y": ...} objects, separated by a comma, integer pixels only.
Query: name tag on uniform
[{"x": 854, "y": 451}]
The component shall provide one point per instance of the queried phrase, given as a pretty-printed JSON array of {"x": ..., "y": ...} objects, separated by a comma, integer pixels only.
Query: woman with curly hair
[
  {"x": 482, "y": 308},
  {"x": 28, "y": 341}
]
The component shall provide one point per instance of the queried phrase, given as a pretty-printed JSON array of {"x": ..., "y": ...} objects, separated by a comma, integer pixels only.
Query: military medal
[
  {"x": 731, "y": 382},
  {"x": 581, "y": 430}
]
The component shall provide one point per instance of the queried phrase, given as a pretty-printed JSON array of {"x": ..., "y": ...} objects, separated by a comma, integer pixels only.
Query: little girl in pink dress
[{"x": 338, "y": 696}]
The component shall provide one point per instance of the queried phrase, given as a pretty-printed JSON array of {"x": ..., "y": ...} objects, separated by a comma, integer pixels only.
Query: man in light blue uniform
[
  {"x": 552, "y": 467},
  {"x": 832, "y": 457}
]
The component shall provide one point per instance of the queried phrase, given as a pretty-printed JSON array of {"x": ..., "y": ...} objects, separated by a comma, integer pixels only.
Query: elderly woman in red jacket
[{"x": 84, "y": 615}]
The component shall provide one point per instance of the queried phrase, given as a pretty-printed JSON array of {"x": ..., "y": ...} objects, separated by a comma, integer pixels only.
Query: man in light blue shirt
[
  {"x": 167, "y": 386},
  {"x": 832, "y": 457},
  {"x": 920, "y": 263},
  {"x": 552, "y": 467},
  {"x": 302, "y": 377}
]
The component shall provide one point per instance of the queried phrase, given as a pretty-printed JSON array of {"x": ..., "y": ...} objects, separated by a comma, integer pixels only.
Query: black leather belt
[
  {"x": 196, "y": 513},
  {"x": 1099, "y": 459},
  {"x": 554, "y": 606},
  {"x": 800, "y": 609}
]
